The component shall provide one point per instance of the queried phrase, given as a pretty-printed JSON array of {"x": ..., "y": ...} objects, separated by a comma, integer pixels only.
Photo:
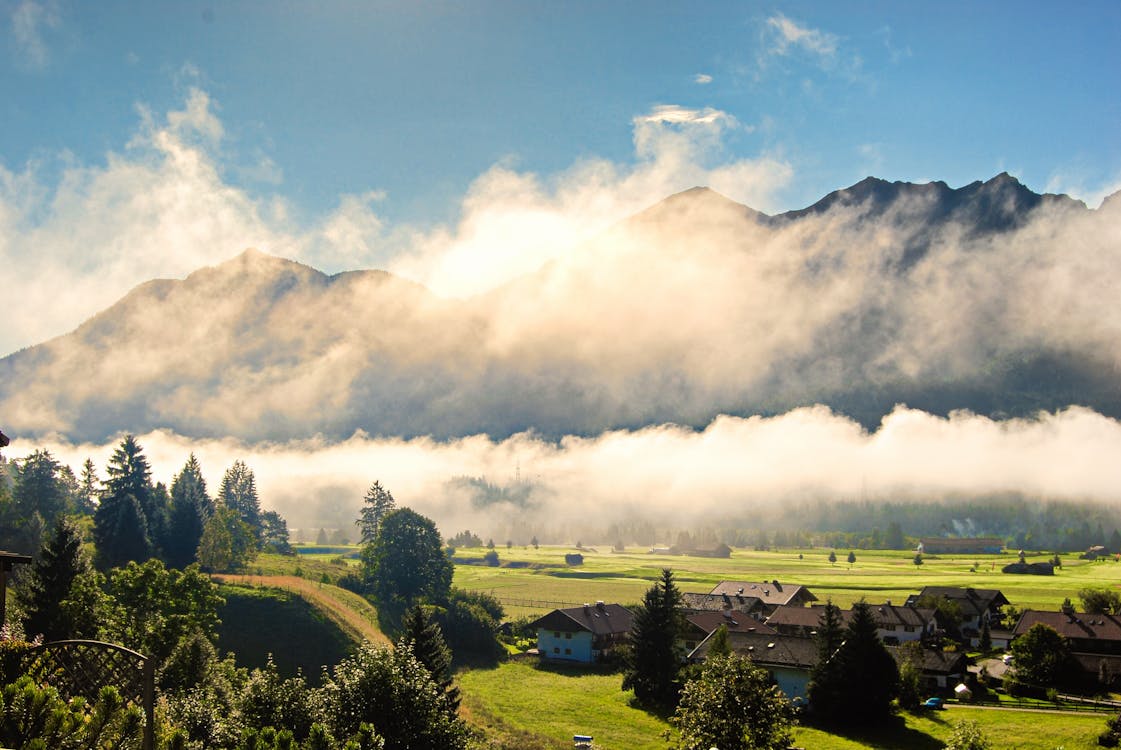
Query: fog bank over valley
[{"x": 735, "y": 470}]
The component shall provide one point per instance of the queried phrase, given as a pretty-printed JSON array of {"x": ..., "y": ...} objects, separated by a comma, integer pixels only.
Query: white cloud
[
  {"x": 162, "y": 208},
  {"x": 702, "y": 79},
  {"x": 733, "y": 468},
  {"x": 31, "y": 21},
  {"x": 789, "y": 34}
]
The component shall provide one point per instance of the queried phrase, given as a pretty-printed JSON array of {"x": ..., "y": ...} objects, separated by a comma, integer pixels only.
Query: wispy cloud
[
  {"x": 31, "y": 22},
  {"x": 789, "y": 34},
  {"x": 702, "y": 79}
]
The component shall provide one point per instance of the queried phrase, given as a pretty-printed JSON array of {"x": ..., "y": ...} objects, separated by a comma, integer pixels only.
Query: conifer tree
[
  {"x": 377, "y": 503},
  {"x": 88, "y": 489},
  {"x": 860, "y": 659},
  {"x": 190, "y": 507},
  {"x": 120, "y": 532},
  {"x": 826, "y": 679},
  {"x": 238, "y": 492},
  {"x": 59, "y": 563},
  {"x": 425, "y": 639},
  {"x": 654, "y": 662}
]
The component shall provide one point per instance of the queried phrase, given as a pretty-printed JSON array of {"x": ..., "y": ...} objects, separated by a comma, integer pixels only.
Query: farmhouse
[
  {"x": 977, "y": 606},
  {"x": 772, "y": 594},
  {"x": 894, "y": 624},
  {"x": 1086, "y": 633},
  {"x": 749, "y": 605},
  {"x": 699, "y": 625},
  {"x": 941, "y": 670},
  {"x": 788, "y": 659},
  {"x": 582, "y": 634}
]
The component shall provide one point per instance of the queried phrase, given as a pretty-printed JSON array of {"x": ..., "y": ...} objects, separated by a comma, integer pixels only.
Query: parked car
[{"x": 934, "y": 704}]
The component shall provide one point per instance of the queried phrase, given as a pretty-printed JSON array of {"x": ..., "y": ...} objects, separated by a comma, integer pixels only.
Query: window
[
  {"x": 568, "y": 651},
  {"x": 556, "y": 650},
  {"x": 568, "y": 636},
  {"x": 556, "y": 634}
]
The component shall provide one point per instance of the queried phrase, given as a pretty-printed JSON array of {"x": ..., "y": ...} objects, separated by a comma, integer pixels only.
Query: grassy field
[
  {"x": 877, "y": 575},
  {"x": 530, "y": 707}
]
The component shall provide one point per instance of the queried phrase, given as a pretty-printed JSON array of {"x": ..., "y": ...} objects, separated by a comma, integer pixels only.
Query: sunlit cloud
[
  {"x": 735, "y": 468},
  {"x": 702, "y": 79}
]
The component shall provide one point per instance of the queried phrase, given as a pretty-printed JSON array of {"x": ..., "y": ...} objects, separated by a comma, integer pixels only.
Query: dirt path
[{"x": 356, "y": 616}]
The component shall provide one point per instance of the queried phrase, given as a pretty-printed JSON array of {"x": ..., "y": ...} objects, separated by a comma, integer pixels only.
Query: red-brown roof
[{"x": 1076, "y": 626}]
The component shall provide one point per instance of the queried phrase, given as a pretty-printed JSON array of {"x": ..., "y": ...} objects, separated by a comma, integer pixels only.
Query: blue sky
[{"x": 367, "y": 134}]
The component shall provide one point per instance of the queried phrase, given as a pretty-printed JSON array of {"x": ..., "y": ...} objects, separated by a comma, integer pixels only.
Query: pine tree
[
  {"x": 378, "y": 502},
  {"x": 424, "y": 638},
  {"x": 654, "y": 662},
  {"x": 59, "y": 563},
  {"x": 238, "y": 492},
  {"x": 190, "y": 507}
]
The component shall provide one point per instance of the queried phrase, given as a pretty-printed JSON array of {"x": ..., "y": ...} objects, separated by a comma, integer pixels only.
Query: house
[
  {"x": 750, "y": 605},
  {"x": 977, "y": 606},
  {"x": 1086, "y": 633},
  {"x": 699, "y": 625},
  {"x": 894, "y": 624},
  {"x": 788, "y": 659},
  {"x": 772, "y": 594},
  {"x": 941, "y": 670},
  {"x": 583, "y": 634}
]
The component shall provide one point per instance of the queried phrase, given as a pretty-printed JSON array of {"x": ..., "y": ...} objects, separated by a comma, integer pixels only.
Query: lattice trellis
[{"x": 82, "y": 668}]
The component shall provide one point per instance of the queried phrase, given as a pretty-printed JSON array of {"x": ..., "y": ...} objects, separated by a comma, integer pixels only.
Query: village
[{"x": 963, "y": 636}]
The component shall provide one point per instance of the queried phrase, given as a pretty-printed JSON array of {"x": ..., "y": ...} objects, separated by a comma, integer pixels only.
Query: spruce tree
[
  {"x": 425, "y": 639},
  {"x": 863, "y": 660},
  {"x": 190, "y": 507},
  {"x": 120, "y": 532},
  {"x": 238, "y": 492},
  {"x": 654, "y": 661},
  {"x": 129, "y": 476},
  {"x": 59, "y": 562},
  {"x": 377, "y": 503},
  {"x": 826, "y": 679},
  {"x": 88, "y": 489}
]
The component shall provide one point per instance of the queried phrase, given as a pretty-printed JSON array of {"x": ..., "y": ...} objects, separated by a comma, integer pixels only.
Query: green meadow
[
  {"x": 541, "y": 575},
  {"x": 529, "y": 707}
]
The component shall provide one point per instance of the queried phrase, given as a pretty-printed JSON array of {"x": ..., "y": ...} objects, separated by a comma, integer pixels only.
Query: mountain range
[{"x": 989, "y": 298}]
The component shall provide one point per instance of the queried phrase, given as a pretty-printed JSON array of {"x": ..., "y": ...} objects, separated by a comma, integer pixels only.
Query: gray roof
[
  {"x": 772, "y": 593},
  {"x": 598, "y": 619},
  {"x": 767, "y": 650},
  {"x": 720, "y": 602}
]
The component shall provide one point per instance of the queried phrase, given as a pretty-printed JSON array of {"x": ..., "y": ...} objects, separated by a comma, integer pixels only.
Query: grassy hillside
[{"x": 257, "y": 622}]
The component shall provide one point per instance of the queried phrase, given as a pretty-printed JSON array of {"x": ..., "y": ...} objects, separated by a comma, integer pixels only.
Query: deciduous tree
[
  {"x": 405, "y": 562},
  {"x": 733, "y": 705}
]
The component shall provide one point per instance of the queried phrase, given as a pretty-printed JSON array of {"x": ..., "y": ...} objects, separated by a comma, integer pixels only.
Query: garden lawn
[{"x": 547, "y": 706}]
